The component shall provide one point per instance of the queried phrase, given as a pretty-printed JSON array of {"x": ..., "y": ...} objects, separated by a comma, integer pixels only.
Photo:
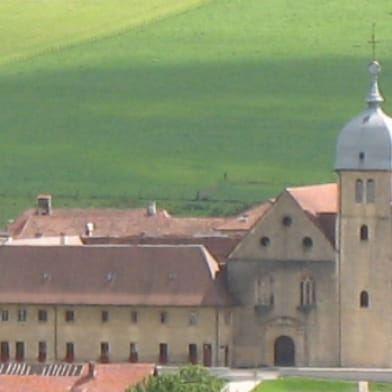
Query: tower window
[
  {"x": 359, "y": 191},
  {"x": 370, "y": 190},
  {"x": 361, "y": 156},
  {"x": 364, "y": 299},
  {"x": 364, "y": 233}
]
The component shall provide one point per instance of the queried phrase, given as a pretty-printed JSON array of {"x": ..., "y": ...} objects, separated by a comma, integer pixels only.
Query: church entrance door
[{"x": 284, "y": 351}]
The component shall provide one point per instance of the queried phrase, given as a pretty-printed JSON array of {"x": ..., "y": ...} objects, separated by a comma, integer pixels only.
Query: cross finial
[{"x": 373, "y": 41}]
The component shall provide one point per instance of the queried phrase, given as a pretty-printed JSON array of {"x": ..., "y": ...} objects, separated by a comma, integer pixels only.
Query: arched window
[
  {"x": 364, "y": 233},
  {"x": 307, "y": 292},
  {"x": 364, "y": 299},
  {"x": 370, "y": 190},
  {"x": 264, "y": 293},
  {"x": 359, "y": 191}
]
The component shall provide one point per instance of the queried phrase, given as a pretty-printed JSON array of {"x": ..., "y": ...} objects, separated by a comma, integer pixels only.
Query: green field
[
  {"x": 300, "y": 384},
  {"x": 109, "y": 102}
]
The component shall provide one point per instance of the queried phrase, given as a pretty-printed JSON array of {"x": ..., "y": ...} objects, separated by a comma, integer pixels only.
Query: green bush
[{"x": 191, "y": 378}]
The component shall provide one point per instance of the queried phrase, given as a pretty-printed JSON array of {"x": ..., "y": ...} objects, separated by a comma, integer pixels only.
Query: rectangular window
[
  {"x": 69, "y": 352},
  {"x": 207, "y": 354},
  {"x": 133, "y": 355},
  {"x": 4, "y": 315},
  {"x": 104, "y": 357},
  {"x": 192, "y": 318},
  {"x": 42, "y": 316},
  {"x": 134, "y": 316},
  {"x": 163, "y": 353},
  {"x": 105, "y": 316},
  {"x": 164, "y": 317},
  {"x": 41, "y": 351},
  {"x": 192, "y": 350},
  {"x": 4, "y": 351},
  {"x": 227, "y": 317},
  {"x": 307, "y": 293},
  {"x": 370, "y": 191},
  {"x": 19, "y": 351},
  {"x": 22, "y": 315},
  {"x": 69, "y": 316}
]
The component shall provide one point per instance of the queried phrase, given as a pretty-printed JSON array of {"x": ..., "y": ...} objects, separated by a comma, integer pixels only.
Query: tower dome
[{"x": 365, "y": 142}]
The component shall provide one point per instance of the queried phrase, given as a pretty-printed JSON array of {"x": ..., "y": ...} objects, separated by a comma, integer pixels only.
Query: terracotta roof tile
[
  {"x": 121, "y": 275},
  {"x": 109, "y": 222},
  {"x": 219, "y": 246},
  {"x": 109, "y": 378},
  {"x": 246, "y": 219},
  {"x": 316, "y": 199}
]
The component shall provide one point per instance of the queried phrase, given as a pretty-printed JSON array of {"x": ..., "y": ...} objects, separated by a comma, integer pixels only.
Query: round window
[
  {"x": 307, "y": 242},
  {"x": 264, "y": 241}
]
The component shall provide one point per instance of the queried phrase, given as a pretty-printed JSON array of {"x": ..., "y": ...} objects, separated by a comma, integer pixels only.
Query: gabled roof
[
  {"x": 109, "y": 222},
  {"x": 321, "y": 203},
  {"x": 112, "y": 275}
]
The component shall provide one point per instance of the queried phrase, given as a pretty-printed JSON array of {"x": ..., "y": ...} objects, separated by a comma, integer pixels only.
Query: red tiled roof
[
  {"x": 316, "y": 199},
  {"x": 113, "y": 377},
  {"x": 109, "y": 222},
  {"x": 109, "y": 378},
  {"x": 118, "y": 275},
  {"x": 321, "y": 203},
  {"x": 219, "y": 246},
  {"x": 246, "y": 219}
]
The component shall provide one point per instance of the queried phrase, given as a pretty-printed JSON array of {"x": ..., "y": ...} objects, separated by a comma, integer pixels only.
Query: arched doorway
[{"x": 284, "y": 351}]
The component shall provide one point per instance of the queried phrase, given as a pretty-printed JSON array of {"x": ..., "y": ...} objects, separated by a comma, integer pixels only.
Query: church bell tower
[{"x": 364, "y": 241}]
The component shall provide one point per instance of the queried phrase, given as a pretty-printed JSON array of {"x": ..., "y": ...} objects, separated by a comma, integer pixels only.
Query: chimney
[
  {"x": 89, "y": 229},
  {"x": 152, "y": 209},
  {"x": 92, "y": 370},
  {"x": 44, "y": 204}
]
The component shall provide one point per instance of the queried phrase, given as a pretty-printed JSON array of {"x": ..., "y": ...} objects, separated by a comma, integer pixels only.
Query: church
[{"x": 301, "y": 280}]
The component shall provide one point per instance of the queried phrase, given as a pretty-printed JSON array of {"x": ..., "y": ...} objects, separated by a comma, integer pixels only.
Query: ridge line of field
[{"x": 104, "y": 36}]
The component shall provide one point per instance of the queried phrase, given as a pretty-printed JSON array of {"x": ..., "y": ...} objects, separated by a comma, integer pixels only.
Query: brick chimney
[{"x": 44, "y": 204}]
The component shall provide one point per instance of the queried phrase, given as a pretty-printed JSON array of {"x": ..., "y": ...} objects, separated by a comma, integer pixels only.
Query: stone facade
[
  {"x": 284, "y": 274},
  {"x": 115, "y": 334}
]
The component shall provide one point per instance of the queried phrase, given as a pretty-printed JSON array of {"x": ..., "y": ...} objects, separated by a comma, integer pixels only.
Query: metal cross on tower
[{"x": 373, "y": 41}]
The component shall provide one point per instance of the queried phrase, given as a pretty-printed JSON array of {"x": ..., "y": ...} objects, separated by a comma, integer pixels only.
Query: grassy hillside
[{"x": 227, "y": 101}]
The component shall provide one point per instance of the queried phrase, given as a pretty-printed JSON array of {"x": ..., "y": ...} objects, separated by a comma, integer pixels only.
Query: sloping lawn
[{"x": 300, "y": 384}]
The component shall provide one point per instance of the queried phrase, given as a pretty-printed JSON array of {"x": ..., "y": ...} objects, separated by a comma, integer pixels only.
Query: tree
[{"x": 192, "y": 378}]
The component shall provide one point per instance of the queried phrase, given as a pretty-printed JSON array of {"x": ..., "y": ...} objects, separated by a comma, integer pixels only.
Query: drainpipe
[
  {"x": 55, "y": 334},
  {"x": 217, "y": 337}
]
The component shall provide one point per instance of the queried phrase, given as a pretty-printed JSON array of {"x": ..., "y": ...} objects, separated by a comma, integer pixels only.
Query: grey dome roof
[{"x": 365, "y": 142}]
